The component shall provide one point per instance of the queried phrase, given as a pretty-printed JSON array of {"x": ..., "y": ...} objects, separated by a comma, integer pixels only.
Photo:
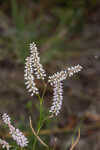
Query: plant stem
[
  {"x": 77, "y": 140},
  {"x": 39, "y": 122},
  {"x": 39, "y": 139},
  {"x": 45, "y": 86}
]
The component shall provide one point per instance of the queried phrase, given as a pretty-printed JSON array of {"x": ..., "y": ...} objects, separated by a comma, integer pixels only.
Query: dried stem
[
  {"x": 39, "y": 139},
  {"x": 77, "y": 140}
]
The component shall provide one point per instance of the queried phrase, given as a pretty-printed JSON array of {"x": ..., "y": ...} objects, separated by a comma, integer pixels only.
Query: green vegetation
[{"x": 51, "y": 24}]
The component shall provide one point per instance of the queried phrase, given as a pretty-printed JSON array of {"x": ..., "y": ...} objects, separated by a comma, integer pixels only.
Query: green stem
[
  {"x": 45, "y": 86},
  {"x": 77, "y": 128},
  {"x": 39, "y": 122}
]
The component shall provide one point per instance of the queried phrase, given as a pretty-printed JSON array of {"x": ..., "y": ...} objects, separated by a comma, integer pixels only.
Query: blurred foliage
[{"x": 49, "y": 23}]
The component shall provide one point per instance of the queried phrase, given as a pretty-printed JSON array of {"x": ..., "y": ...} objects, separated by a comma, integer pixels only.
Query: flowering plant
[{"x": 33, "y": 71}]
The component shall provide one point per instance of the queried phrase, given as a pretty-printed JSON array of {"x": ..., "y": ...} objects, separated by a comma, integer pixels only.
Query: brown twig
[
  {"x": 77, "y": 140},
  {"x": 84, "y": 129},
  {"x": 55, "y": 130},
  {"x": 39, "y": 139}
]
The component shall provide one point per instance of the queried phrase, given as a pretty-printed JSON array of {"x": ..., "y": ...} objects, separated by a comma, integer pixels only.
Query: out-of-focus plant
[
  {"x": 70, "y": 20},
  {"x": 50, "y": 23}
]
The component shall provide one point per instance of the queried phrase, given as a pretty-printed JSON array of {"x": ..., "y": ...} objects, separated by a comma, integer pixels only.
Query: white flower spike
[
  {"x": 29, "y": 78},
  {"x": 16, "y": 134},
  {"x": 38, "y": 68},
  {"x": 6, "y": 119},
  {"x": 55, "y": 81},
  {"x": 57, "y": 77},
  {"x": 57, "y": 99},
  {"x": 72, "y": 70}
]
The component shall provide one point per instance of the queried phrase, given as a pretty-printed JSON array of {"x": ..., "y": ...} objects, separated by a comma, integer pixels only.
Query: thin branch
[
  {"x": 56, "y": 130},
  {"x": 77, "y": 140},
  {"x": 39, "y": 139},
  {"x": 84, "y": 128}
]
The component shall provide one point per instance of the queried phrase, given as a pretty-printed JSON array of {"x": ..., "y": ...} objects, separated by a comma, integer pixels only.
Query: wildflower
[
  {"x": 60, "y": 76},
  {"x": 57, "y": 77},
  {"x": 6, "y": 119},
  {"x": 57, "y": 98},
  {"x": 16, "y": 134},
  {"x": 55, "y": 81},
  {"x": 28, "y": 76},
  {"x": 38, "y": 68},
  {"x": 71, "y": 71},
  {"x": 4, "y": 144}
]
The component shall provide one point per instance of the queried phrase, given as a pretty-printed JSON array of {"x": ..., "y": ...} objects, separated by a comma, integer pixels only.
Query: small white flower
[
  {"x": 38, "y": 68},
  {"x": 60, "y": 76},
  {"x": 6, "y": 119},
  {"x": 72, "y": 70},
  {"x": 29, "y": 78},
  {"x": 57, "y": 77},
  {"x": 4, "y": 144}
]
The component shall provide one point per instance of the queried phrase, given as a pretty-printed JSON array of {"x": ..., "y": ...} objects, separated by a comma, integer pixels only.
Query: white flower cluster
[
  {"x": 4, "y": 144},
  {"x": 57, "y": 77},
  {"x": 16, "y": 134},
  {"x": 56, "y": 81},
  {"x": 29, "y": 78},
  {"x": 33, "y": 66},
  {"x": 71, "y": 71},
  {"x": 6, "y": 119},
  {"x": 38, "y": 68},
  {"x": 57, "y": 99}
]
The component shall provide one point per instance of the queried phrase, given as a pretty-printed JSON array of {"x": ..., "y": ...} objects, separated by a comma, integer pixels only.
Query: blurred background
[{"x": 67, "y": 33}]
